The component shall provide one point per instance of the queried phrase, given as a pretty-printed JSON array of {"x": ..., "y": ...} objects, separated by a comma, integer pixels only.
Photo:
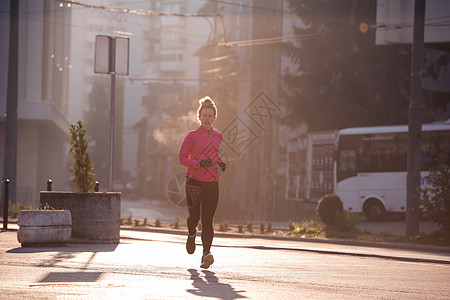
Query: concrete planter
[
  {"x": 95, "y": 216},
  {"x": 40, "y": 227}
]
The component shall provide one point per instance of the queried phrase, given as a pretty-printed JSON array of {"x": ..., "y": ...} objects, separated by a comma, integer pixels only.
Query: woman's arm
[{"x": 184, "y": 153}]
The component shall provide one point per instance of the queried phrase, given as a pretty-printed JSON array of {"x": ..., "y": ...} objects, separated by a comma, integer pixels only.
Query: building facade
[{"x": 44, "y": 64}]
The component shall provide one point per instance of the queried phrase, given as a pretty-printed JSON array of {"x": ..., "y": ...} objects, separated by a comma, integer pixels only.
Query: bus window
[
  {"x": 371, "y": 153},
  {"x": 348, "y": 161},
  {"x": 383, "y": 153},
  {"x": 433, "y": 143},
  {"x": 346, "y": 157}
]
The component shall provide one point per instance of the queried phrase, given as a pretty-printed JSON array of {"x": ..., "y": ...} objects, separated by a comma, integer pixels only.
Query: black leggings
[{"x": 202, "y": 197}]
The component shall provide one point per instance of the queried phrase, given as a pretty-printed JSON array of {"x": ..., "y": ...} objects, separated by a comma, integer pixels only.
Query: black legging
[{"x": 202, "y": 196}]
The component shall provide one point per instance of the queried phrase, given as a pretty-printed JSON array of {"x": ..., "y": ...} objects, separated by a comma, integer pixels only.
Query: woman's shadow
[{"x": 209, "y": 286}]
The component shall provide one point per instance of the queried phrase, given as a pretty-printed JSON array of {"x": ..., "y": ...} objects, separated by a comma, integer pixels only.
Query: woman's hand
[
  {"x": 222, "y": 165},
  {"x": 206, "y": 163}
]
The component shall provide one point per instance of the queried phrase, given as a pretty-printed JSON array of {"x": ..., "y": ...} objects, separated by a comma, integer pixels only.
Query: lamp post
[{"x": 415, "y": 122}]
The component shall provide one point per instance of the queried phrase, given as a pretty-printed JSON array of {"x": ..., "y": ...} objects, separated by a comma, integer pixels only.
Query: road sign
[{"x": 111, "y": 55}]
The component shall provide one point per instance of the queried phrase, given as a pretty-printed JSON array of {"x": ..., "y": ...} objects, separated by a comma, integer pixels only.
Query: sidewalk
[
  {"x": 147, "y": 259},
  {"x": 398, "y": 251},
  {"x": 404, "y": 252}
]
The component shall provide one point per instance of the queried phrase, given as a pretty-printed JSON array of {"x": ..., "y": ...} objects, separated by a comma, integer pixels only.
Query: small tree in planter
[
  {"x": 95, "y": 216},
  {"x": 82, "y": 167}
]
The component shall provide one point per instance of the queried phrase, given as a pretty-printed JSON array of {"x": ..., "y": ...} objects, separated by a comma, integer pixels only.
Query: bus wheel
[{"x": 374, "y": 210}]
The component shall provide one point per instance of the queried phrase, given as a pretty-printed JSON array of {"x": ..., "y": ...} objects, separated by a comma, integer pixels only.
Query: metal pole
[
  {"x": 5, "y": 205},
  {"x": 415, "y": 122},
  {"x": 10, "y": 156},
  {"x": 49, "y": 185},
  {"x": 112, "y": 68}
]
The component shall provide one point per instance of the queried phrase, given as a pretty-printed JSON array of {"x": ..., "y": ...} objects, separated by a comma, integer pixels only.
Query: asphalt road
[
  {"x": 147, "y": 265},
  {"x": 167, "y": 212}
]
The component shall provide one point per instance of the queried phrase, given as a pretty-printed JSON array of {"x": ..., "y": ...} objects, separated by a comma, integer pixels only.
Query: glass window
[
  {"x": 382, "y": 152},
  {"x": 434, "y": 143}
]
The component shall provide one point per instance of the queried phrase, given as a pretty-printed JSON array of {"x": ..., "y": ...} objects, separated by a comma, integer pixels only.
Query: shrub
[
  {"x": 176, "y": 224},
  {"x": 82, "y": 167},
  {"x": 435, "y": 198},
  {"x": 269, "y": 227},
  {"x": 240, "y": 228},
  {"x": 261, "y": 228},
  {"x": 250, "y": 227},
  {"x": 328, "y": 208},
  {"x": 223, "y": 226},
  {"x": 291, "y": 226},
  {"x": 306, "y": 229},
  {"x": 158, "y": 223},
  {"x": 347, "y": 222}
]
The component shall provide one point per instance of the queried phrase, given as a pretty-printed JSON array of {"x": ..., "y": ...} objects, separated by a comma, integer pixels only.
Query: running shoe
[
  {"x": 207, "y": 260},
  {"x": 190, "y": 243}
]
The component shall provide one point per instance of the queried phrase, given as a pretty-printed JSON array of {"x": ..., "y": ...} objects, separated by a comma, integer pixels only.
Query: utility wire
[
  {"x": 139, "y": 12},
  {"x": 249, "y": 6},
  {"x": 437, "y": 21},
  {"x": 266, "y": 41}
]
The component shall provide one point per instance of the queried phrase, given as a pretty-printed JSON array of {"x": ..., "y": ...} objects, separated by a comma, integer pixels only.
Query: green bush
[
  {"x": 240, "y": 228},
  {"x": 269, "y": 227},
  {"x": 347, "y": 222},
  {"x": 158, "y": 223},
  {"x": 82, "y": 164},
  {"x": 261, "y": 228},
  {"x": 223, "y": 226},
  {"x": 176, "y": 223},
  {"x": 291, "y": 226},
  {"x": 328, "y": 208},
  {"x": 250, "y": 226},
  {"x": 306, "y": 228},
  {"x": 435, "y": 198}
]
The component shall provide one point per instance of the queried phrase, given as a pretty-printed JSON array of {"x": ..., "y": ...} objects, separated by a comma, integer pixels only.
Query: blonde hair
[{"x": 206, "y": 102}]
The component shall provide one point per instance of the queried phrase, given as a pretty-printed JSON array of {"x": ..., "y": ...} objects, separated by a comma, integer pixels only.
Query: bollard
[
  {"x": 96, "y": 186},
  {"x": 49, "y": 185},
  {"x": 5, "y": 205}
]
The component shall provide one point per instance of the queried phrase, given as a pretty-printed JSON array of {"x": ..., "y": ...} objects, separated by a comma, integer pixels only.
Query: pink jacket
[{"x": 201, "y": 144}]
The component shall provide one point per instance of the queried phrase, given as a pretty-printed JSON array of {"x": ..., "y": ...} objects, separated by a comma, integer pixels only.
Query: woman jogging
[{"x": 200, "y": 153}]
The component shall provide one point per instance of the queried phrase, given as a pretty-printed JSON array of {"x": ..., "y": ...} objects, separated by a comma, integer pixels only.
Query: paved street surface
[
  {"x": 155, "y": 265},
  {"x": 167, "y": 212}
]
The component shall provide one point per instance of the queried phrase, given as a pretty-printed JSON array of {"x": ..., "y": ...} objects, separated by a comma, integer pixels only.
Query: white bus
[{"x": 370, "y": 166}]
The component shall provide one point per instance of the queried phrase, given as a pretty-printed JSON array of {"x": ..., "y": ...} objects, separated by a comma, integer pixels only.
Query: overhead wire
[
  {"x": 437, "y": 21},
  {"x": 248, "y": 6},
  {"x": 267, "y": 41},
  {"x": 139, "y": 12}
]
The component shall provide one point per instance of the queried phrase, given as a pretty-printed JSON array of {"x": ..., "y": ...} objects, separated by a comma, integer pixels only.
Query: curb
[
  {"x": 424, "y": 248},
  {"x": 319, "y": 251},
  {"x": 405, "y": 258},
  {"x": 418, "y": 247}
]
